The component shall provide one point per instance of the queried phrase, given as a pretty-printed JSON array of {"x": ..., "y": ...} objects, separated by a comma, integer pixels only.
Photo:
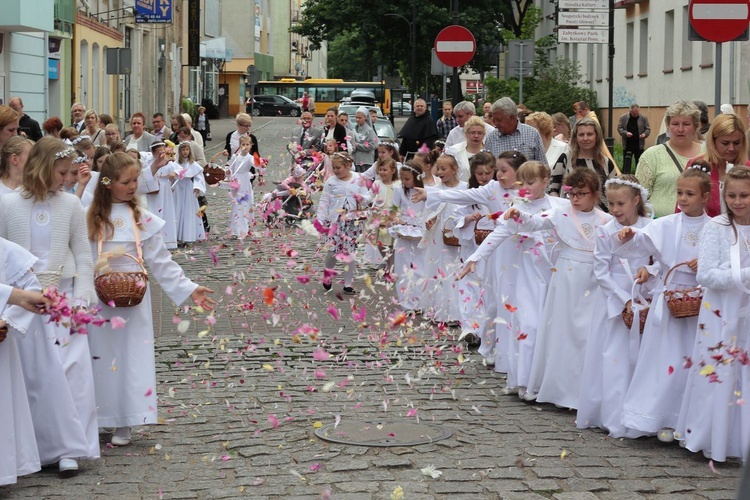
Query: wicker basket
[
  {"x": 450, "y": 239},
  {"x": 124, "y": 289},
  {"x": 683, "y": 303},
  {"x": 627, "y": 317},
  {"x": 214, "y": 174},
  {"x": 3, "y": 333},
  {"x": 480, "y": 234}
]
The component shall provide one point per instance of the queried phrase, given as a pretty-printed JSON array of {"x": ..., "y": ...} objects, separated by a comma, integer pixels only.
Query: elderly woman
[
  {"x": 52, "y": 126},
  {"x": 464, "y": 151},
  {"x": 366, "y": 140},
  {"x": 545, "y": 126},
  {"x": 232, "y": 143},
  {"x": 561, "y": 125},
  {"x": 726, "y": 146},
  {"x": 8, "y": 123},
  {"x": 91, "y": 127},
  {"x": 661, "y": 165},
  {"x": 138, "y": 139}
]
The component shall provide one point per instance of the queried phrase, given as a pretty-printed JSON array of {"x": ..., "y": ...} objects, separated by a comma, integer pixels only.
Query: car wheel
[
  {"x": 256, "y": 111},
  {"x": 294, "y": 112}
]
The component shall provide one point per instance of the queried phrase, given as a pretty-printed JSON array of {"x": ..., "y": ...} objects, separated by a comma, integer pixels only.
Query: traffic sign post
[
  {"x": 455, "y": 46},
  {"x": 719, "y": 21}
]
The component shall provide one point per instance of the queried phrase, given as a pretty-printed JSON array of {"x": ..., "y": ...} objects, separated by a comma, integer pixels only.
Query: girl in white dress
[
  {"x": 383, "y": 189},
  {"x": 653, "y": 400},
  {"x": 241, "y": 189},
  {"x": 342, "y": 211},
  {"x": 494, "y": 197},
  {"x": 408, "y": 260},
  {"x": 51, "y": 225},
  {"x": 613, "y": 347},
  {"x": 713, "y": 418},
  {"x": 532, "y": 254},
  {"x": 158, "y": 174},
  {"x": 568, "y": 309},
  {"x": 188, "y": 185},
  {"x": 17, "y": 438},
  {"x": 442, "y": 289},
  {"x": 387, "y": 150},
  {"x": 124, "y": 360},
  {"x": 12, "y": 160}
]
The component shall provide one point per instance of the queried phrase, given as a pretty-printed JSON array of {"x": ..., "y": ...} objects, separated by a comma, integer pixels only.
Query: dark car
[{"x": 275, "y": 105}]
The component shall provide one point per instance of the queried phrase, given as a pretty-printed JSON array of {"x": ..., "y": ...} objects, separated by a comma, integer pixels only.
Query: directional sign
[
  {"x": 583, "y": 36},
  {"x": 580, "y": 18},
  {"x": 720, "y": 20},
  {"x": 455, "y": 46}
]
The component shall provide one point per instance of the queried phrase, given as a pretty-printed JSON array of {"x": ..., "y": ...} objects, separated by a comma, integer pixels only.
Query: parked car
[
  {"x": 401, "y": 107},
  {"x": 274, "y": 105},
  {"x": 351, "y": 107},
  {"x": 385, "y": 131}
]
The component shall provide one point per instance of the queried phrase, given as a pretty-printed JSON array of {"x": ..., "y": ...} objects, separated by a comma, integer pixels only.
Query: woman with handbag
[
  {"x": 652, "y": 402},
  {"x": 123, "y": 237},
  {"x": 660, "y": 166}
]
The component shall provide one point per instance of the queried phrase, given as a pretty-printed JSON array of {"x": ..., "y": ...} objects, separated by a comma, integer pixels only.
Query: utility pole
[{"x": 457, "y": 94}]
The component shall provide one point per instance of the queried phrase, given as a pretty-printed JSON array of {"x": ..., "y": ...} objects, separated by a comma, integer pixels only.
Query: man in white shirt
[
  {"x": 463, "y": 111},
  {"x": 161, "y": 131}
]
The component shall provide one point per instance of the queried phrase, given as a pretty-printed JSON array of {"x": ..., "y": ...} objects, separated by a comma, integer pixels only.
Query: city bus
[{"x": 324, "y": 92}]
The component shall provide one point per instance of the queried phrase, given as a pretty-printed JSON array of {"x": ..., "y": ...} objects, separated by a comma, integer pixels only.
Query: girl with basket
[
  {"x": 495, "y": 196},
  {"x": 187, "y": 187},
  {"x": 612, "y": 347},
  {"x": 342, "y": 211},
  {"x": 532, "y": 254},
  {"x": 408, "y": 261},
  {"x": 566, "y": 318},
  {"x": 123, "y": 237},
  {"x": 50, "y": 224},
  {"x": 713, "y": 419},
  {"x": 652, "y": 403}
]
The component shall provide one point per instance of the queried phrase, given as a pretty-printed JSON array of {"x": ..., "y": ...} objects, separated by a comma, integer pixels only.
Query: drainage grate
[{"x": 382, "y": 433}]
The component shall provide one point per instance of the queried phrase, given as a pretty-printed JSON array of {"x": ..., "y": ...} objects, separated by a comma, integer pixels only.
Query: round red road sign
[
  {"x": 455, "y": 45},
  {"x": 720, "y": 20}
]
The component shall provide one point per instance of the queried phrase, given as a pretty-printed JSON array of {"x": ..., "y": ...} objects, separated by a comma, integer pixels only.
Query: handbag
[
  {"x": 208, "y": 136},
  {"x": 123, "y": 288}
]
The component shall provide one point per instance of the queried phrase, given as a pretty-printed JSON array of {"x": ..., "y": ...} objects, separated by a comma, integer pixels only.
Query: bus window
[
  {"x": 326, "y": 94},
  {"x": 266, "y": 89},
  {"x": 289, "y": 91},
  {"x": 342, "y": 92}
]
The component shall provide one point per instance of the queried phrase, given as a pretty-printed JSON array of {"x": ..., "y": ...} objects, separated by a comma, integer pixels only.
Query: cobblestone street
[{"x": 241, "y": 393}]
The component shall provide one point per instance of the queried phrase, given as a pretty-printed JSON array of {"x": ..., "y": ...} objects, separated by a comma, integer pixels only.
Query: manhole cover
[{"x": 382, "y": 433}]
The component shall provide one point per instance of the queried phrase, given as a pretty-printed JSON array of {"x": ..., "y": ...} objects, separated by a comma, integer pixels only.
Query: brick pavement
[{"x": 240, "y": 402}]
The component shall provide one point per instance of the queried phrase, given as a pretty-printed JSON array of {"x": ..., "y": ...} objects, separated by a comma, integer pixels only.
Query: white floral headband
[
  {"x": 65, "y": 153},
  {"x": 158, "y": 145},
  {"x": 624, "y": 182},
  {"x": 78, "y": 139},
  {"x": 702, "y": 168},
  {"x": 420, "y": 175},
  {"x": 81, "y": 159}
]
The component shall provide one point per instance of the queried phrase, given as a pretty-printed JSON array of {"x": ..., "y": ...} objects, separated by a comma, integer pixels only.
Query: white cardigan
[{"x": 69, "y": 246}]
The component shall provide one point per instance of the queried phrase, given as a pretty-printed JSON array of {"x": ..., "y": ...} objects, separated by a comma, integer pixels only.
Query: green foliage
[
  {"x": 188, "y": 106},
  {"x": 554, "y": 89},
  {"x": 529, "y": 24}
]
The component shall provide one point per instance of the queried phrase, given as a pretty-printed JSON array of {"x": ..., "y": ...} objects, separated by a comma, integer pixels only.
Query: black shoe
[
  {"x": 327, "y": 286},
  {"x": 349, "y": 290}
]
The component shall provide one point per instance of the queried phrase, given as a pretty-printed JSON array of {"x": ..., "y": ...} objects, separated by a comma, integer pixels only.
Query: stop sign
[
  {"x": 455, "y": 45},
  {"x": 720, "y": 20}
]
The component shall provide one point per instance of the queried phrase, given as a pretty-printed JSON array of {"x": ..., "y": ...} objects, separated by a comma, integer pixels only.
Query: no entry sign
[
  {"x": 455, "y": 46},
  {"x": 720, "y": 20}
]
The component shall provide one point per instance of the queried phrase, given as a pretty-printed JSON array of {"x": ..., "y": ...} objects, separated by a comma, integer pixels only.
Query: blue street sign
[{"x": 153, "y": 11}]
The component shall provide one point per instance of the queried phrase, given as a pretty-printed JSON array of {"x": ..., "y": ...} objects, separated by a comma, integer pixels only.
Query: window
[
  {"x": 687, "y": 45},
  {"x": 669, "y": 42},
  {"x": 643, "y": 54},
  {"x": 629, "y": 49},
  {"x": 707, "y": 55}
]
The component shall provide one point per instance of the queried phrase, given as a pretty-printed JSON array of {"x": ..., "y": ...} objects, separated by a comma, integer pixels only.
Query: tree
[{"x": 376, "y": 38}]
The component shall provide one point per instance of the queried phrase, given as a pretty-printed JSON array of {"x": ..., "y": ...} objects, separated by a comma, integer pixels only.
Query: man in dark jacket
[
  {"x": 27, "y": 126},
  {"x": 418, "y": 130},
  {"x": 633, "y": 128}
]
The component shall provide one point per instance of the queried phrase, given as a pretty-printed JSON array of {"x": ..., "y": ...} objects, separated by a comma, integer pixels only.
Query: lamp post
[{"x": 413, "y": 41}]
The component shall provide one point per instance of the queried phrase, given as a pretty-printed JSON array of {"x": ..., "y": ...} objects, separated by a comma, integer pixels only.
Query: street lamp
[{"x": 413, "y": 40}]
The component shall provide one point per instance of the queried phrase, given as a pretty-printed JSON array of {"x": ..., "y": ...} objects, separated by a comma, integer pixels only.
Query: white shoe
[
  {"x": 489, "y": 361},
  {"x": 665, "y": 435},
  {"x": 121, "y": 436},
  {"x": 521, "y": 392},
  {"x": 68, "y": 465},
  {"x": 529, "y": 396}
]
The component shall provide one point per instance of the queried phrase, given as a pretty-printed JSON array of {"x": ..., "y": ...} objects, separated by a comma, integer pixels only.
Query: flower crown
[
  {"x": 420, "y": 175},
  {"x": 347, "y": 158},
  {"x": 157, "y": 144},
  {"x": 65, "y": 153},
  {"x": 81, "y": 159},
  {"x": 184, "y": 143},
  {"x": 702, "y": 168},
  {"x": 624, "y": 182}
]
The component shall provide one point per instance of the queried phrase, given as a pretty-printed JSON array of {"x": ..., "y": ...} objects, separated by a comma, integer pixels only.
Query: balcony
[
  {"x": 25, "y": 16},
  {"x": 65, "y": 15}
]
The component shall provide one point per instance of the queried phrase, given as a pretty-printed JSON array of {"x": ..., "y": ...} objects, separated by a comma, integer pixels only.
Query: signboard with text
[
  {"x": 583, "y": 36},
  {"x": 153, "y": 11},
  {"x": 583, "y": 4}
]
